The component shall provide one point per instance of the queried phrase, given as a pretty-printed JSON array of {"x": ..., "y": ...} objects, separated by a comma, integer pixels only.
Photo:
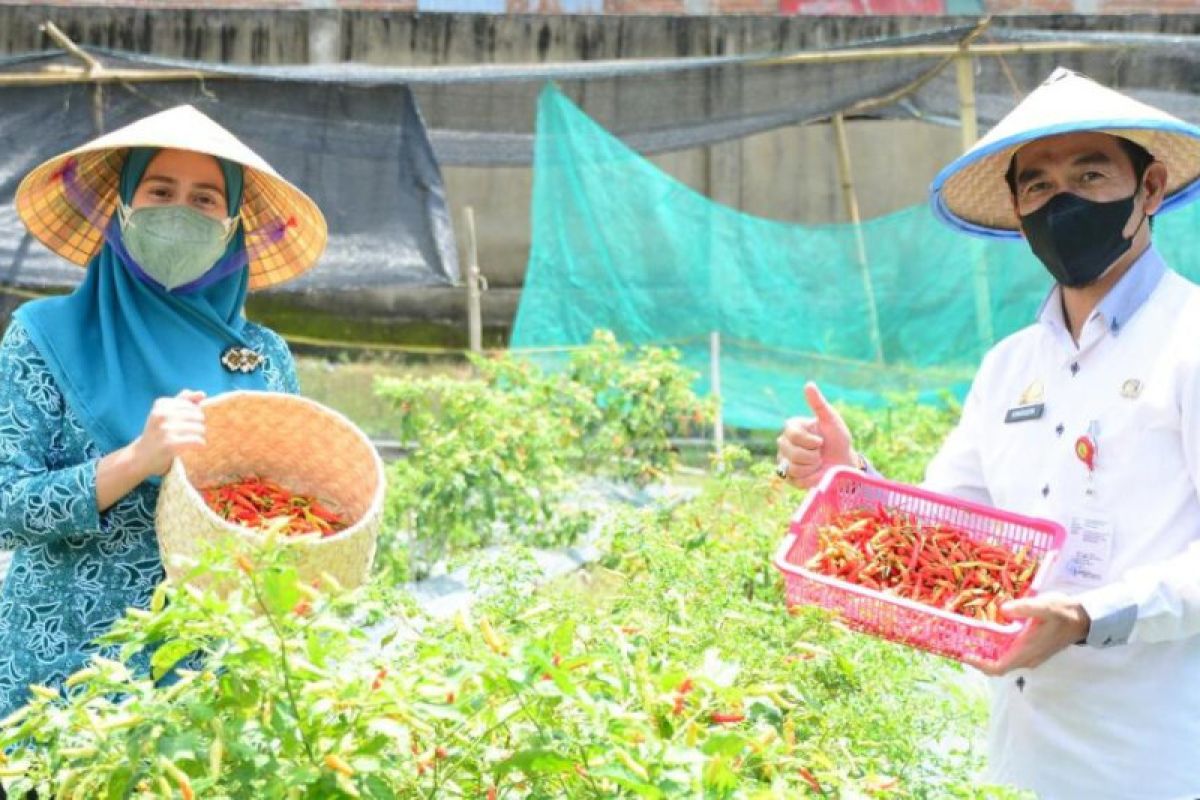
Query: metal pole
[
  {"x": 851, "y": 200},
  {"x": 474, "y": 292},
  {"x": 714, "y": 369}
]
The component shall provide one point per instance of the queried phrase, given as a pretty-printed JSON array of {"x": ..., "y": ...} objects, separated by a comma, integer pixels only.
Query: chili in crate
[{"x": 915, "y": 567}]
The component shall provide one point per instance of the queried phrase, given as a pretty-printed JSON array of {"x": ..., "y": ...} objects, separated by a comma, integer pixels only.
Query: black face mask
[{"x": 1078, "y": 239}]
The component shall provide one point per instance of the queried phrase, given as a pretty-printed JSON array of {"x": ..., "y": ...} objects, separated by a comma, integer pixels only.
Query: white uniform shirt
[{"x": 1118, "y": 719}]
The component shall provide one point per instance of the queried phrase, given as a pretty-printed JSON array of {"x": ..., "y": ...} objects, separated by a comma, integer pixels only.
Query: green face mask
[{"x": 174, "y": 245}]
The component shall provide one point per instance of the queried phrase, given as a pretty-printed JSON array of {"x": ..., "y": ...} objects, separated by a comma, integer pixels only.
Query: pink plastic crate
[{"x": 896, "y": 618}]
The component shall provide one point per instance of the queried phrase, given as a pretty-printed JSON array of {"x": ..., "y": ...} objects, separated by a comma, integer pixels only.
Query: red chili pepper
[
  {"x": 811, "y": 780},
  {"x": 727, "y": 719},
  {"x": 257, "y": 503},
  {"x": 379, "y": 679}
]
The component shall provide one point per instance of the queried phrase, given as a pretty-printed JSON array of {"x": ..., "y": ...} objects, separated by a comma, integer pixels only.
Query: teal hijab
[{"x": 120, "y": 340}]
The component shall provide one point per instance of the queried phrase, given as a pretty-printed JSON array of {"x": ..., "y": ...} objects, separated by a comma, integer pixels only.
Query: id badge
[{"x": 1088, "y": 551}]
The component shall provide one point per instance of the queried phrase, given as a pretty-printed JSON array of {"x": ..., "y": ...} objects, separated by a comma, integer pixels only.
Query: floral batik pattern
[{"x": 74, "y": 570}]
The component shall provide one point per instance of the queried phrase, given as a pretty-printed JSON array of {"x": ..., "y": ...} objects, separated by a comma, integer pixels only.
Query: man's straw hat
[
  {"x": 971, "y": 194},
  {"x": 66, "y": 201}
]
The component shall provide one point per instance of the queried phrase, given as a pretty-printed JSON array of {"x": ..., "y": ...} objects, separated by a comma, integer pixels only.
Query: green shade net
[{"x": 901, "y": 304}]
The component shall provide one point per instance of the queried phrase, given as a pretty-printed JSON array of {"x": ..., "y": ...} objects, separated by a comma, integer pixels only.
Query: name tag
[{"x": 1024, "y": 413}]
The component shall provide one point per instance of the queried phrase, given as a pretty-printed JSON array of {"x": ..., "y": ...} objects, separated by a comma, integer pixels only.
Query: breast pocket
[
  {"x": 1139, "y": 445},
  {"x": 1017, "y": 460}
]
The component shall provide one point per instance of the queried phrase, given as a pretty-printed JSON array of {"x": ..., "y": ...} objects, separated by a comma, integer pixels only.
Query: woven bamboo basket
[{"x": 296, "y": 442}]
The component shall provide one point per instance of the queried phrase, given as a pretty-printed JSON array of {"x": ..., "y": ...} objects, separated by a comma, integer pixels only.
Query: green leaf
[
  {"x": 719, "y": 775},
  {"x": 724, "y": 744},
  {"x": 280, "y": 594},
  {"x": 622, "y": 776},
  {"x": 375, "y": 787},
  {"x": 168, "y": 656},
  {"x": 118, "y": 782},
  {"x": 536, "y": 762}
]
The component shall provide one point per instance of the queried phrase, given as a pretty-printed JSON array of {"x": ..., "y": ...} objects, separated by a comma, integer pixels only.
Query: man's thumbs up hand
[{"x": 809, "y": 446}]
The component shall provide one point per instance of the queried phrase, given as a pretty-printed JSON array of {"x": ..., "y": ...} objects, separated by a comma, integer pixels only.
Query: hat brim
[
  {"x": 971, "y": 194},
  {"x": 285, "y": 231}
]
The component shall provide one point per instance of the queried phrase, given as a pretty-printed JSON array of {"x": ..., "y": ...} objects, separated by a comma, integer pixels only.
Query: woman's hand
[
  {"x": 809, "y": 446},
  {"x": 175, "y": 426}
]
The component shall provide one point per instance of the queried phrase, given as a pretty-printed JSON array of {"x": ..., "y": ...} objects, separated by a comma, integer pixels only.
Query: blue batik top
[{"x": 74, "y": 570}]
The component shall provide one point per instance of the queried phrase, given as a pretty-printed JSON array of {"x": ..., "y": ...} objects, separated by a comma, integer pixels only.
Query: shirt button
[
  {"x": 1075, "y": 368},
  {"x": 1060, "y": 429},
  {"x": 1046, "y": 490}
]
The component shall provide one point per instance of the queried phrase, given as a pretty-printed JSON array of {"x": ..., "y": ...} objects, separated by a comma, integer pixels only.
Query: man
[{"x": 1089, "y": 417}]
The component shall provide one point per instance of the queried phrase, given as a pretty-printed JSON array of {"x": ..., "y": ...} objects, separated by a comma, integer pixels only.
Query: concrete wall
[
  {"x": 681, "y": 8},
  {"x": 787, "y": 174},
  {"x": 264, "y": 35}
]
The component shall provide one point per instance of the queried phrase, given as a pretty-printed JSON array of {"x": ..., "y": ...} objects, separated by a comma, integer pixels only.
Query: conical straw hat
[
  {"x": 66, "y": 201},
  {"x": 971, "y": 194}
]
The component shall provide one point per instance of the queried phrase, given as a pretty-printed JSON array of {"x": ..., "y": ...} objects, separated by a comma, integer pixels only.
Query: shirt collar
[{"x": 1121, "y": 302}]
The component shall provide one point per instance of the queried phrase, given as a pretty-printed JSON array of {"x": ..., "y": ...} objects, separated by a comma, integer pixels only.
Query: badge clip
[{"x": 1086, "y": 450}]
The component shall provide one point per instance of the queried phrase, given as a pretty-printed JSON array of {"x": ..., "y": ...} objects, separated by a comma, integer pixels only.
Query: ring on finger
[{"x": 781, "y": 469}]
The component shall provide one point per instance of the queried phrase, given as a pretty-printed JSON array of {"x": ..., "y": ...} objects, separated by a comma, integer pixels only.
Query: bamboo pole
[
  {"x": 68, "y": 76},
  {"x": 94, "y": 68},
  {"x": 938, "y": 51},
  {"x": 474, "y": 289},
  {"x": 884, "y": 100},
  {"x": 64, "y": 41},
  {"x": 984, "y": 326},
  {"x": 714, "y": 377},
  {"x": 850, "y": 199},
  {"x": 105, "y": 75},
  {"x": 871, "y": 103},
  {"x": 968, "y": 117}
]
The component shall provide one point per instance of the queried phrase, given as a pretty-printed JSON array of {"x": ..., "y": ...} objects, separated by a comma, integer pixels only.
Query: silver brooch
[{"x": 241, "y": 359}]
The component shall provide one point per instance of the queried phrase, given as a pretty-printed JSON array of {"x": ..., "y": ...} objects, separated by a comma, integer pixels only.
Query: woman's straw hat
[
  {"x": 66, "y": 201},
  {"x": 971, "y": 194}
]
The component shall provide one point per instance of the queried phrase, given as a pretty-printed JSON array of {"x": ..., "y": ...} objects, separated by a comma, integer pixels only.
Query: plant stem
[{"x": 287, "y": 672}]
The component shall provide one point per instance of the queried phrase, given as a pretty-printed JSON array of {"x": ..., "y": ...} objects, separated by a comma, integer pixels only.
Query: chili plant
[
  {"x": 492, "y": 458},
  {"x": 671, "y": 670}
]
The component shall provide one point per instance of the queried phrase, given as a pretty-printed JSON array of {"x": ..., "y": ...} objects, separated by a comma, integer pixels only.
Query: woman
[{"x": 175, "y": 220}]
